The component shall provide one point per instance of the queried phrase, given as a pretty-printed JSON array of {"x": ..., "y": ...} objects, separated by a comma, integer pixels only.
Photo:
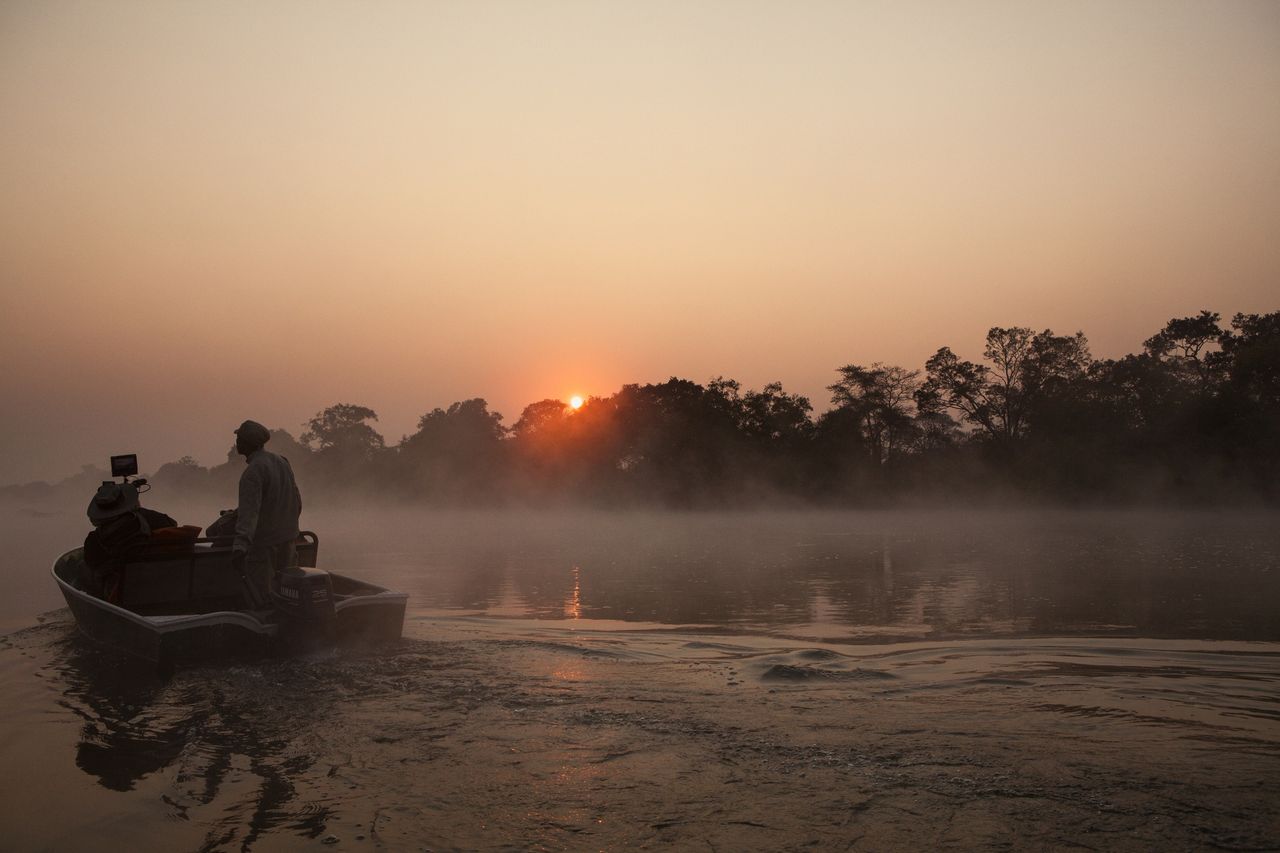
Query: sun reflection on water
[{"x": 573, "y": 604}]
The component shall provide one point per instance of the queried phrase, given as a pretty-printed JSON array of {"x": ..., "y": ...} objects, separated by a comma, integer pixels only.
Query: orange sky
[{"x": 213, "y": 211}]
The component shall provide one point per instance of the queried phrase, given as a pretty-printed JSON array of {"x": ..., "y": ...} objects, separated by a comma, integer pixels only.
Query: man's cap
[
  {"x": 253, "y": 433},
  {"x": 111, "y": 500}
]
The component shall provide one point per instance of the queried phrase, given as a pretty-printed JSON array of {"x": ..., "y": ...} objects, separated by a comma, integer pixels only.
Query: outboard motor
[{"x": 304, "y": 608}]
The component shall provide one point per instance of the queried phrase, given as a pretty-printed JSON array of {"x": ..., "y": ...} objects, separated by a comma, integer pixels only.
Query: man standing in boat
[{"x": 267, "y": 514}]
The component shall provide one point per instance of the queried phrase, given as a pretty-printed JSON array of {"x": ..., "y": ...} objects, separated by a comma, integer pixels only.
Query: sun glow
[{"x": 575, "y": 402}]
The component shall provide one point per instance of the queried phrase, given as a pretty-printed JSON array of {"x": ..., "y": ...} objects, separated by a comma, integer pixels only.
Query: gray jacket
[{"x": 269, "y": 502}]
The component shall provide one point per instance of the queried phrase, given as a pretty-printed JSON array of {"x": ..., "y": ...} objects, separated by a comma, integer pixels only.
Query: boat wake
[{"x": 487, "y": 733}]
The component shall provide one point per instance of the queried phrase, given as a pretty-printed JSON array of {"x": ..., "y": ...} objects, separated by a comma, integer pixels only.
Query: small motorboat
[
  {"x": 182, "y": 600},
  {"x": 186, "y": 604}
]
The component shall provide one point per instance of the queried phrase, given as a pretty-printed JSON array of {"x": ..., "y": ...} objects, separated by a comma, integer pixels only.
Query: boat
[{"x": 184, "y": 603}]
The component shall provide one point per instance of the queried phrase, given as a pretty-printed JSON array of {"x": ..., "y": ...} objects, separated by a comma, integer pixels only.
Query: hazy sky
[{"x": 218, "y": 210}]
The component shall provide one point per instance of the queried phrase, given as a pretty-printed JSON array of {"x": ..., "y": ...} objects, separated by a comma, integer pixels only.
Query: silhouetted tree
[
  {"x": 551, "y": 451},
  {"x": 540, "y": 418},
  {"x": 1246, "y": 409},
  {"x": 726, "y": 396},
  {"x": 456, "y": 452},
  {"x": 778, "y": 435},
  {"x": 934, "y": 429},
  {"x": 840, "y": 465},
  {"x": 1252, "y": 356},
  {"x": 341, "y": 428},
  {"x": 999, "y": 399},
  {"x": 349, "y": 452},
  {"x": 185, "y": 476},
  {"x": 880, "y": 400},
  {"x": 1194, "y": 416},
  {"x": 1182, "y": 346},
  {"x": 283, "y": 443},
  {"x": 672, "y": 442},
  {"x": 775, "y": 417}
]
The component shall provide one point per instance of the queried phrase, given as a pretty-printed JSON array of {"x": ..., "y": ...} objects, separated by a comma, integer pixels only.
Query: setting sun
[{"x": 930, "y": 344}]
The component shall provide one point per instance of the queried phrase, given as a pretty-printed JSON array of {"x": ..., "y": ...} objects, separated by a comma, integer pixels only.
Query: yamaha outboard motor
[{"x": 304, "y": 608}]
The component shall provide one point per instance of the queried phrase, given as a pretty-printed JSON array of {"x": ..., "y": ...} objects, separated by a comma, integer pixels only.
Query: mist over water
[{"x": 840, "y": 576}]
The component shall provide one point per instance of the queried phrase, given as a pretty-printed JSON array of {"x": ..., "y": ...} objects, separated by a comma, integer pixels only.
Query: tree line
[{"x": 1192, "y": 418}]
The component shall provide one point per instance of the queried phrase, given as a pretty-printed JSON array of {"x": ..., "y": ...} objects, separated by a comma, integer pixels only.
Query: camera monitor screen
[{"x": 124, "y": 466}]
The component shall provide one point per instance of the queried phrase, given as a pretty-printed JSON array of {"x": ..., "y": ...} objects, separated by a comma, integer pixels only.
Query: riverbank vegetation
[{"x": 1194, "y": 418}]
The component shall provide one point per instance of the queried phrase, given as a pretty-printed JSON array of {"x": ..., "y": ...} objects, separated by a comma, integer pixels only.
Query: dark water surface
[
  {"x": 853, "y": 576},
  {"x": 892, "y": 680}
]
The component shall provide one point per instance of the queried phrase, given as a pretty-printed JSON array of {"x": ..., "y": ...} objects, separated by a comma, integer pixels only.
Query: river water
[{"x": 584, "y": 680}]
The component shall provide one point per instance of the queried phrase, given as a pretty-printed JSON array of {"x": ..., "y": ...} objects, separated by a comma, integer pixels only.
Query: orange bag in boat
[{"x": 175, "y": 535}]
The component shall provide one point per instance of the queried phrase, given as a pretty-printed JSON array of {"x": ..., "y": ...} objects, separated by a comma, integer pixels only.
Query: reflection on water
[
  {"x": 223, "y": 733},
  {"x": 490, "y": 733},
  {"x": 511, "y": 734},
  {"x": 852, "y": 575},
  {"x": 839, "y": 575},
  {"x": 121, "y": 740},
  {"x": 528, "y": 735}
]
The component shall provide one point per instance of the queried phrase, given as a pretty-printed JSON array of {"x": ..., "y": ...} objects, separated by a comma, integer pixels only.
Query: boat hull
[{"x": 365, "y": 614}]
